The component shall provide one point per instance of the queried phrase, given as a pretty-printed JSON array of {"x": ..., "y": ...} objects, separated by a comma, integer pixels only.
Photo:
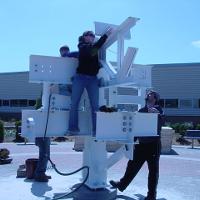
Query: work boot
[
  {"x": 49, "y": 177},
  {"x": 150, "y": 197},
  {"x": 42, "y": 178},
  {"x": 116, "y": 184}
]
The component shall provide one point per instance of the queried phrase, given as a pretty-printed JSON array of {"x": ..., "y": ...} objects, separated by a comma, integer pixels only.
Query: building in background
[
  {"x": 16, "y": 93},
  {"x": 178, "y": 85}
]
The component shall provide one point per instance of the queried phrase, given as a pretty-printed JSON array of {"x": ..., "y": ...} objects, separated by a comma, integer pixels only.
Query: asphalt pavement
[{"x": 179, "y": 175}]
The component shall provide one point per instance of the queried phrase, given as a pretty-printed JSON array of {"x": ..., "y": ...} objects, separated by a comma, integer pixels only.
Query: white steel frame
[{"x": 120, "y": 127}]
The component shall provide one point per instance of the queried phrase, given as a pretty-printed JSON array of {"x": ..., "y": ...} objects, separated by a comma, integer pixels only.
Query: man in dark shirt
[
  {"x": 88, "y": 54},
  {"x": 147, "y": 150}
]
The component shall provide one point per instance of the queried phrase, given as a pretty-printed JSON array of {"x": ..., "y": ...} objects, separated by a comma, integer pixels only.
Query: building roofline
[
  {"x": 166, "y": 64},
  {"x": 13, "y": 72},
  {"x": 176, "y": 64},
  {"x": 155, "y": 65}
]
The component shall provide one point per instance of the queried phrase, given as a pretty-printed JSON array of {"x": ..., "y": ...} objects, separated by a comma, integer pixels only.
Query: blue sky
[{"x": 168, "y": 31}]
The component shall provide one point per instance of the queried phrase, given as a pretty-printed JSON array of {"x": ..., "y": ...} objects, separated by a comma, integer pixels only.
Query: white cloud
[{"x": 196, "y": 43}]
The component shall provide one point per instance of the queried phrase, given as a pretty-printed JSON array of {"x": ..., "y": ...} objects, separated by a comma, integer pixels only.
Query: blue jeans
[
  {"x": 81, "y": 82},
  {"x": 44, "y": 153}
]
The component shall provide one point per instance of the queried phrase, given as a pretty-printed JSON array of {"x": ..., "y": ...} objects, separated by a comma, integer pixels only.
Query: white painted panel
[
  {"x": 145, "y": 124},
  {"x": 57, "y": 125},
  {"x": 60, "y": 102},
  {"x": 100, "y": 29},
  {"x": 52, "y": 69},
  {"x": 123, "y": 126},
  {"x": 109, "y": 126}
]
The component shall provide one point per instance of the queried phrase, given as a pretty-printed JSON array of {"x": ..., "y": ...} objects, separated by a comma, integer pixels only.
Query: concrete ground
[{"x": 179, "y": 175}]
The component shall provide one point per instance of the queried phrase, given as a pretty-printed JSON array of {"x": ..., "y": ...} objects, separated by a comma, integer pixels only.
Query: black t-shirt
[{"x": 88, "y": 57}]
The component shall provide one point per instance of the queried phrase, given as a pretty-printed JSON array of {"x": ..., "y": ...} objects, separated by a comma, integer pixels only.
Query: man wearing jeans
[{"x": 86, "y": 78}]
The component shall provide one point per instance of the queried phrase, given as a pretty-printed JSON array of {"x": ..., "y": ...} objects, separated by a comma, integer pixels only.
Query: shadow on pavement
[
  {"x": 63, "y": 196},
  {"x": 125, "y": 197},
  {"x": 172, "y": 152},
  {"x": 79, "y": 191},
  {"x": 194, "y": 148},
  {"x": 28, "y": 144},
  {"x": 141, "y": 197},
  {"x": 25, "y": 144},
  {"x": 39, "y": 189}
]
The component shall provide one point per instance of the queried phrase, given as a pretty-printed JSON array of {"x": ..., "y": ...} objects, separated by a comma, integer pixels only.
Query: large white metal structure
[{"x": 121, "y": 127}]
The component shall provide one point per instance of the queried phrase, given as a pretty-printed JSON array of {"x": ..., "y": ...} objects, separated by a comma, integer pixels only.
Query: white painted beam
[
  {"x": 122, "y": 29},
  {"x": 127, "y": 62}
]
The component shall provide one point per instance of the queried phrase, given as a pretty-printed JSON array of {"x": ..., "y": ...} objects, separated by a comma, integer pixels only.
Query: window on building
[
  {"x": 185, "y": 103},
  {"x": 127, "y": 91},
  {"x": 162, "y": 103},
  {"x": 128, "y": 107},
  {"x": 196, "y": 103},
  {"x": 5, "y": 103},
  {"x": 31, "y": 102},
  {"x": 23, "y": 102},
  {"x": 14, "y": 103},
  {"x": 17, "y": 102},
  {"x": 171, "y": 103}
]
